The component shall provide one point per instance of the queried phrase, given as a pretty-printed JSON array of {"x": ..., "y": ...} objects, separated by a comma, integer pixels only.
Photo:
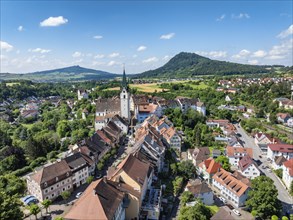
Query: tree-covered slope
[{"x": 190, "y": 64}]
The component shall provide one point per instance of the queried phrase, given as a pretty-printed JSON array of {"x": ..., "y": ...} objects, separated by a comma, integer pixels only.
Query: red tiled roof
[
  {"x": 284, "y": 148},
  {"x": 231, "y": 151},
  {"x": 211, "y": 165},
  {"x": 289, "y": 165}
]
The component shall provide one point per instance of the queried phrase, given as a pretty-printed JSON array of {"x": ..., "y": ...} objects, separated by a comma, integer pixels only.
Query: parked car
[
  {"x": 78, "y": 195},
  {"x": 236, "y": 212},
  {"x": 223, "y": 200},
  {"x": 230, "y": 206},
  {"x": 30, "y": 199}
]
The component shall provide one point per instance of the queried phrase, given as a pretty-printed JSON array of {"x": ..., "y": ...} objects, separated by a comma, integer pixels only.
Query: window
[
  {"x": 52, "y": 188},
  {"x": 53, "y": 195},
  {"x": 124, "y": 96},
  {"x": 57, "y": 185},
  {"x": 45, "y": 184},
  {"x": 63, "y": 189},
  {"x": 46, "y": 191},
  {"x": 68, "y": 187}
]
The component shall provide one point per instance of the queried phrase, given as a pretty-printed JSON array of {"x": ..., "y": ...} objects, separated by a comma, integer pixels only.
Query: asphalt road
[{"x": 283, "y": 195}]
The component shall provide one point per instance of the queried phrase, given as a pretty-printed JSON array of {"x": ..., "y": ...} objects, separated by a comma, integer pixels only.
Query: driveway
[{"x": 283, "y": 195}]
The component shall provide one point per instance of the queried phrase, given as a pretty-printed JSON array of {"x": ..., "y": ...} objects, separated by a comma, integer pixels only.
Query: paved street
[{"x": 283, "y": 196}]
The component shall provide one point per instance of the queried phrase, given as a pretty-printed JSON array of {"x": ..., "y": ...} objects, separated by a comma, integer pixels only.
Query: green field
[{"x": 12, "y": 83}]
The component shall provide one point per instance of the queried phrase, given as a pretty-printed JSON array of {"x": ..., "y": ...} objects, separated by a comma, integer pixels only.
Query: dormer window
[
  {"x": 67, "y": 174},
  {"x": 45, "y": 184},
  {"x": 56, "y": 179}
]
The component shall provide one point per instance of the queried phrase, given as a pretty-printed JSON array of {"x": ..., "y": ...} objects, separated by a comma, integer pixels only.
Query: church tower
[{"x": 124, "y": 98}]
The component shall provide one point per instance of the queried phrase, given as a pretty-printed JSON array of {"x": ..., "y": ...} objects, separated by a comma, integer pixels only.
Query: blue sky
[{"x": 40, "y": 35}]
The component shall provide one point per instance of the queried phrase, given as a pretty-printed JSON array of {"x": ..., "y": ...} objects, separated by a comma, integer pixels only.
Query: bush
[
  {"x": 22, "y": 171},
  {"x": 274, "y": 217},
  {"x": 285, "y": 218},
  {"x": 37, "y": 162}
]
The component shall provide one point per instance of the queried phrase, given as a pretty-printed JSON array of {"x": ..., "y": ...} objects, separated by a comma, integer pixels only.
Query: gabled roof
[
  {"x": 283, "y": 115},
  {"x": 279, "y": 160},
  {"x": 211, "y": 165},
  {"x": 104, "y": 137},
  {"x": 137, "y": 170},
  {"x": 119, "y": 119},
  {"x": 230, "y": 182},
  {"x": 284, "y": 148},
  {"x": 198, "y": 187},
  {"x": 245, "y": 162},
  {"x": 201, "y": 153},
  {"x": 233, "y": 151},
  {"x": 99, "y": 201},
  {"x": 75, "y": 161},
  {"x": 289, "y": 165},
  {"x": 109, "y": 105},
  {"x": 49, "y": 173},
  {"x": 147, "y": 108}
]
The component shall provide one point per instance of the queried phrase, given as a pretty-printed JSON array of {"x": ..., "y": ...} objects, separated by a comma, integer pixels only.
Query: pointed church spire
[{"x": 124, "y": 82}]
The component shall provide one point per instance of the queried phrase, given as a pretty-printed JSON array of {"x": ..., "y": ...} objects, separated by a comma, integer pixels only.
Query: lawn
[
  {"x": 12, "y": 83},
  {"x": 28, "y": 126},
  {"x": 146, "y": 87},
  {"x": 213, "y": 208}
]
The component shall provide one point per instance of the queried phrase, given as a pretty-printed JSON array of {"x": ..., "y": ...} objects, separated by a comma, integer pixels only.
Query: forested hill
[
  {"x": 72, "y": 73},
  {"x": 191, "y": 64}
]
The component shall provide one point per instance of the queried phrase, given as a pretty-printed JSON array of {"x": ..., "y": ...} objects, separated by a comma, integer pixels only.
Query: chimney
[
  {"x": 94, "y": 191},
  {"x": 104, "y": 179}
]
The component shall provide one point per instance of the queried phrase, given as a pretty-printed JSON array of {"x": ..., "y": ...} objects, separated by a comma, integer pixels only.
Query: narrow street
[{"x": 283, "y": 195}]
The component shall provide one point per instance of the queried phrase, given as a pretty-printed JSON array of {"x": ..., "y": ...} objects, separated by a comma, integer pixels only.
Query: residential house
[
  {"x": 198, "y": 155},
  {"x": 228, "y": 98},
  {"x": 217, "y": 123},
  {"x": 248, "y": 167},
  {"x": 143, "y": 111},
  {"x": 234, "y": 190},
  {"x": 288, "y": 173},
  {"x": 235, "y": 154},
  {"x": 29, "y": 113},
  {"x": 79, "y": 169},
  {"x": 151, "y": 205},
  {"x": 172, "y": 137},
  {"x": 121, "y": 123},
  {"x": 137, "y": 174},
  {"x": 200, "y": 190},
  {"x": 50, "y": 181},
  {"x": 82, "y": 94},
  {"x": 196, "y": 104},
  {"x": 285, "y": 150},
  {"x": 283, "y": 117},
  {"x": 290, "y": 122},
  {"x": 207, "y": 169},
  {"x": 101, "y": 200},
  {"x": 278, "y": 162}
]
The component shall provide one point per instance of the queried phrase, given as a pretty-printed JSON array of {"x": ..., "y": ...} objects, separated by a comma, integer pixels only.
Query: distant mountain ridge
[
  {"x": 190, "y": 64},
  {"x": 71, "y": 73}
]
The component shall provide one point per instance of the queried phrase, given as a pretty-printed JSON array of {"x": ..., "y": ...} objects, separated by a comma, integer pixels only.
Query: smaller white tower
[{"x": 124, "y": 99}]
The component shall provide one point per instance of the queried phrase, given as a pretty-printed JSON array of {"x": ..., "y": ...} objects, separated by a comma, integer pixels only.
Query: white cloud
[
  {"x": 150, "y": 60},
  {"x": 212, "y": 54},
  {"x": 253, "y": 62},
  {"x": 134, "y": 56},
  {"x": 141, "y": 48},
  {"x": 113, "y": 55},
  {"x": 167, "y": 36},
  {"x": 98, "y": 37},
  {"x": 259, "y": 53},
  {"x": 76, "y": 54},
  {"x": 112, "y": 63},
  {"x": 5, "y": 46},
  {"x": 281, "y": 51},
  {"x": 240, "y": 16},
  {"x": 242, "y": 54},
  {"x": 20, "y": 28},
  {"x": 99, "y": 56},
  {"x": 97, "y": 63},
  {"x": 167, "y": 57},
  {"x": 53, "y": 21},
  {"x": 39, "y": 50},
  {"x": 222, "y": 17},
  {"x": 286, "y": 32}
]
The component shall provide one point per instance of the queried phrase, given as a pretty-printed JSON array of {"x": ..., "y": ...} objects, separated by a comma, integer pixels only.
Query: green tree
[
  {"x": 187, "y": 169},
  {"x": 10, "y": 207},
  {"x": 12, "y": 185},
  {"x": 263, "y": 197},
  {"x": 89, "y": 179},
  {"x": 224, "y": 161},
  {"x": 173, "y": 168},
  {"x": 46, "y": 204},
  {"x": 177, "y": 184},
  {"x": 186, "y": 197},
  {"x": 197, "y": 212},
  {"x": 65, "y": 195},
  {"x": 34, "y": 210},
  {"x": 274, "y": 217}
]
